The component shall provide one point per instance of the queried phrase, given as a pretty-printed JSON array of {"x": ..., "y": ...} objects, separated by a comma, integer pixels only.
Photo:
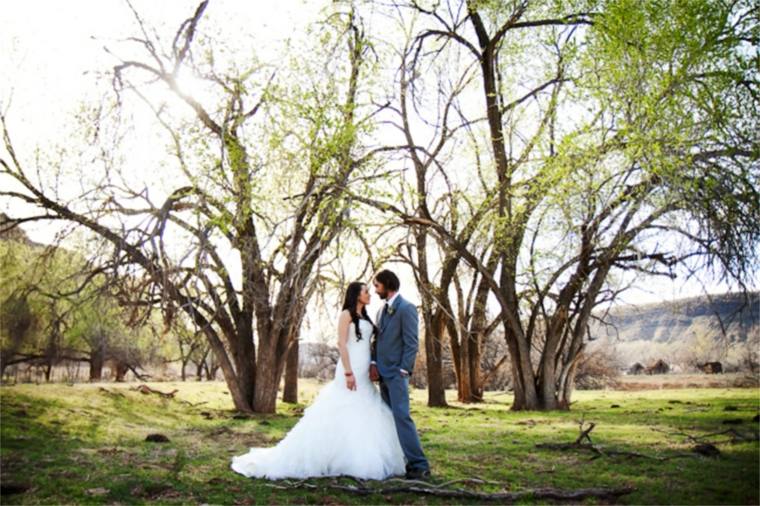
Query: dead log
[
  {"x": 584, "y": 433},
  {"x": 599, "y": 451},
  {"x": 445, "y": 490},
  {"x": 145, "y": 389},
  {"x": 194, "y": 404},
  {"x": 736, "y": 436}
]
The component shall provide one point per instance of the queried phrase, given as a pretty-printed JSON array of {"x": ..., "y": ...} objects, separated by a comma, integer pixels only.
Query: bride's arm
[{"x": 343, "y": 322}]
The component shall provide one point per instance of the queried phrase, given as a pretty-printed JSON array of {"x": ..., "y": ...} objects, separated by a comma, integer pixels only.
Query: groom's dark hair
[{"x": 388, "y": 279}]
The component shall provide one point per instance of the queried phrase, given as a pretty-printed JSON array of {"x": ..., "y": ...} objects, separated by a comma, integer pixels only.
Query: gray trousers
[{"x": 395, "y": 392}]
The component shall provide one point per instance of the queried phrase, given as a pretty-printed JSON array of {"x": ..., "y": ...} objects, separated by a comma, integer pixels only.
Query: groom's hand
[{"x": 374, "y": 375}]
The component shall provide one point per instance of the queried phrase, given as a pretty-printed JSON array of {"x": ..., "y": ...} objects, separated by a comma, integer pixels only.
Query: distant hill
[
  {"x": 674, "y": 321},
  {"x": 719, "y": 327}
]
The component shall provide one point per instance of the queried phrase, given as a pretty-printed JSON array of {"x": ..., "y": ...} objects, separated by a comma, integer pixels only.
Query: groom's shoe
[{"x": 418, "y": 474}]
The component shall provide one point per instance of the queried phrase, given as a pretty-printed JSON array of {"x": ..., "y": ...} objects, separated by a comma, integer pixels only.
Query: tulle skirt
[{"x": 342, "y": 432}]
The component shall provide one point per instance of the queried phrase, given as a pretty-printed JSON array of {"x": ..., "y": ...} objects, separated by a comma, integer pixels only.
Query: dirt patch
[
  {"x": 676, "y": 381},
  {"x": 226, "y": 436},
  {"x": 154, "y": 491}
]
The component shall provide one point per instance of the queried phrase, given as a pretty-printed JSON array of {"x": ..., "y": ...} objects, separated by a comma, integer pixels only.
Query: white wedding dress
[{"x": 343, "y": 432}]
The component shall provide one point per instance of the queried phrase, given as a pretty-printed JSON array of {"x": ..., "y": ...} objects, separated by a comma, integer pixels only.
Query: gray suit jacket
[{"x": 396, "y": 343}]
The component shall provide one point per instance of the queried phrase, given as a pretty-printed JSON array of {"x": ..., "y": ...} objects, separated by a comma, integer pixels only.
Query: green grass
[{"x": 79, "y": 444}]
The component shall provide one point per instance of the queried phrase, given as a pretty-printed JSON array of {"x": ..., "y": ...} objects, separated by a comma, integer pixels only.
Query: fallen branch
[
  {"x": 598, "y": 451},
  {"x": 145, "y": 389},
  {"x": 141, "y": 377},
  {"x": 193, "y": 404},
  {"x": 738, "y": 437},
  {"x": 585, "y": 433},
  {"x": 444, "y": 490},
  {"x": 111, "y": 392}
]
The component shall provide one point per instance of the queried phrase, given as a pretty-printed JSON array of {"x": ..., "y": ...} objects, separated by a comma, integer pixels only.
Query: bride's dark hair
[{"x": 349, "y": 302}]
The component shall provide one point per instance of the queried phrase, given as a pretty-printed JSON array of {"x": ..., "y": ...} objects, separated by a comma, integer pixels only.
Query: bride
[{"x": 348, "y": 429}]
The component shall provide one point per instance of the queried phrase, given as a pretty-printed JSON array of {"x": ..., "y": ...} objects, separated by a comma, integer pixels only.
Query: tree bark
[
  {"x": 474, "y": 355},
  {"x": 120, "y": 371},
  {"x": 290, "y": 391},
  {"x": 96, "y": 364},
  {"x": 267, "y": 378},
  {"x": 433, "y": 358}
]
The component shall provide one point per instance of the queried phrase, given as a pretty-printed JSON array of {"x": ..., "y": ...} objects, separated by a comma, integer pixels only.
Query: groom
[{"x": 393, "y": 352}]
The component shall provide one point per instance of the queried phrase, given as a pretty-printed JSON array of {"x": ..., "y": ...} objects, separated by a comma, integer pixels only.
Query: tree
[
  {"x": 55, "y": 309},
  {"x": 259, "y": 172},
  {"x": 428, "y": 114},
  {"x": 631, "y": 147},
  {"x": 189, "y": 343}
]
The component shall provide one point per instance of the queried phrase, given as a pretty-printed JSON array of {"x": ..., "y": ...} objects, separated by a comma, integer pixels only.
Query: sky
[{"x": 50, "y": 52}]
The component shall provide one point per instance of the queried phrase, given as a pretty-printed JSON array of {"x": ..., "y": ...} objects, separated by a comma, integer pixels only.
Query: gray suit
[{"x": 395, "y": 348}]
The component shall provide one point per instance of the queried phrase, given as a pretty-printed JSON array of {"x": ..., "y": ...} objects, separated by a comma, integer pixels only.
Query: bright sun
[{"x": 193, "y": 87}]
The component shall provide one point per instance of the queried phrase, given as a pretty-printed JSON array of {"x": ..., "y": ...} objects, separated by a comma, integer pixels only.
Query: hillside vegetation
[{"x": 684, "y": 332}]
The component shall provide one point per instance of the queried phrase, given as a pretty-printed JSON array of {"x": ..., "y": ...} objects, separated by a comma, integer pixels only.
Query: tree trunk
[
  {"x": 567, "y": 383},
  {"x": 245, "y": 375},
  {"x": 463, "y": 381},
  {"x": 434, "y": 360},
  {"x": 550, "y": 390},
  {"x": 96, "y": 365},
  {"x": 476, "y": 378},
  {"x": 479, "y": 333},
  {"x": 120, "y": 371},
  {"x": 466, "y": 357},
  {"x": 265, "y": 394},
  {"x": 547, "y": 389},
  {"x": 469, "y": 383},
  {"x": 523, "y": 379},
  {"x": 535, "y": 399},
  {"x": 267, "y": 381},
  {"x": 466, "y": 353},
  {"x": 290, "y": 392}
]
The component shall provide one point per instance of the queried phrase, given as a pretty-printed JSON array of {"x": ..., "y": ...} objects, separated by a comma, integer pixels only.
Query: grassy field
[{"x": 82, "y": 444}]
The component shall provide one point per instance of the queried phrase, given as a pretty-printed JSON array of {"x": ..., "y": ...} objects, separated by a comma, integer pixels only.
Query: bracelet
[{"x": 349, "y": 374}]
